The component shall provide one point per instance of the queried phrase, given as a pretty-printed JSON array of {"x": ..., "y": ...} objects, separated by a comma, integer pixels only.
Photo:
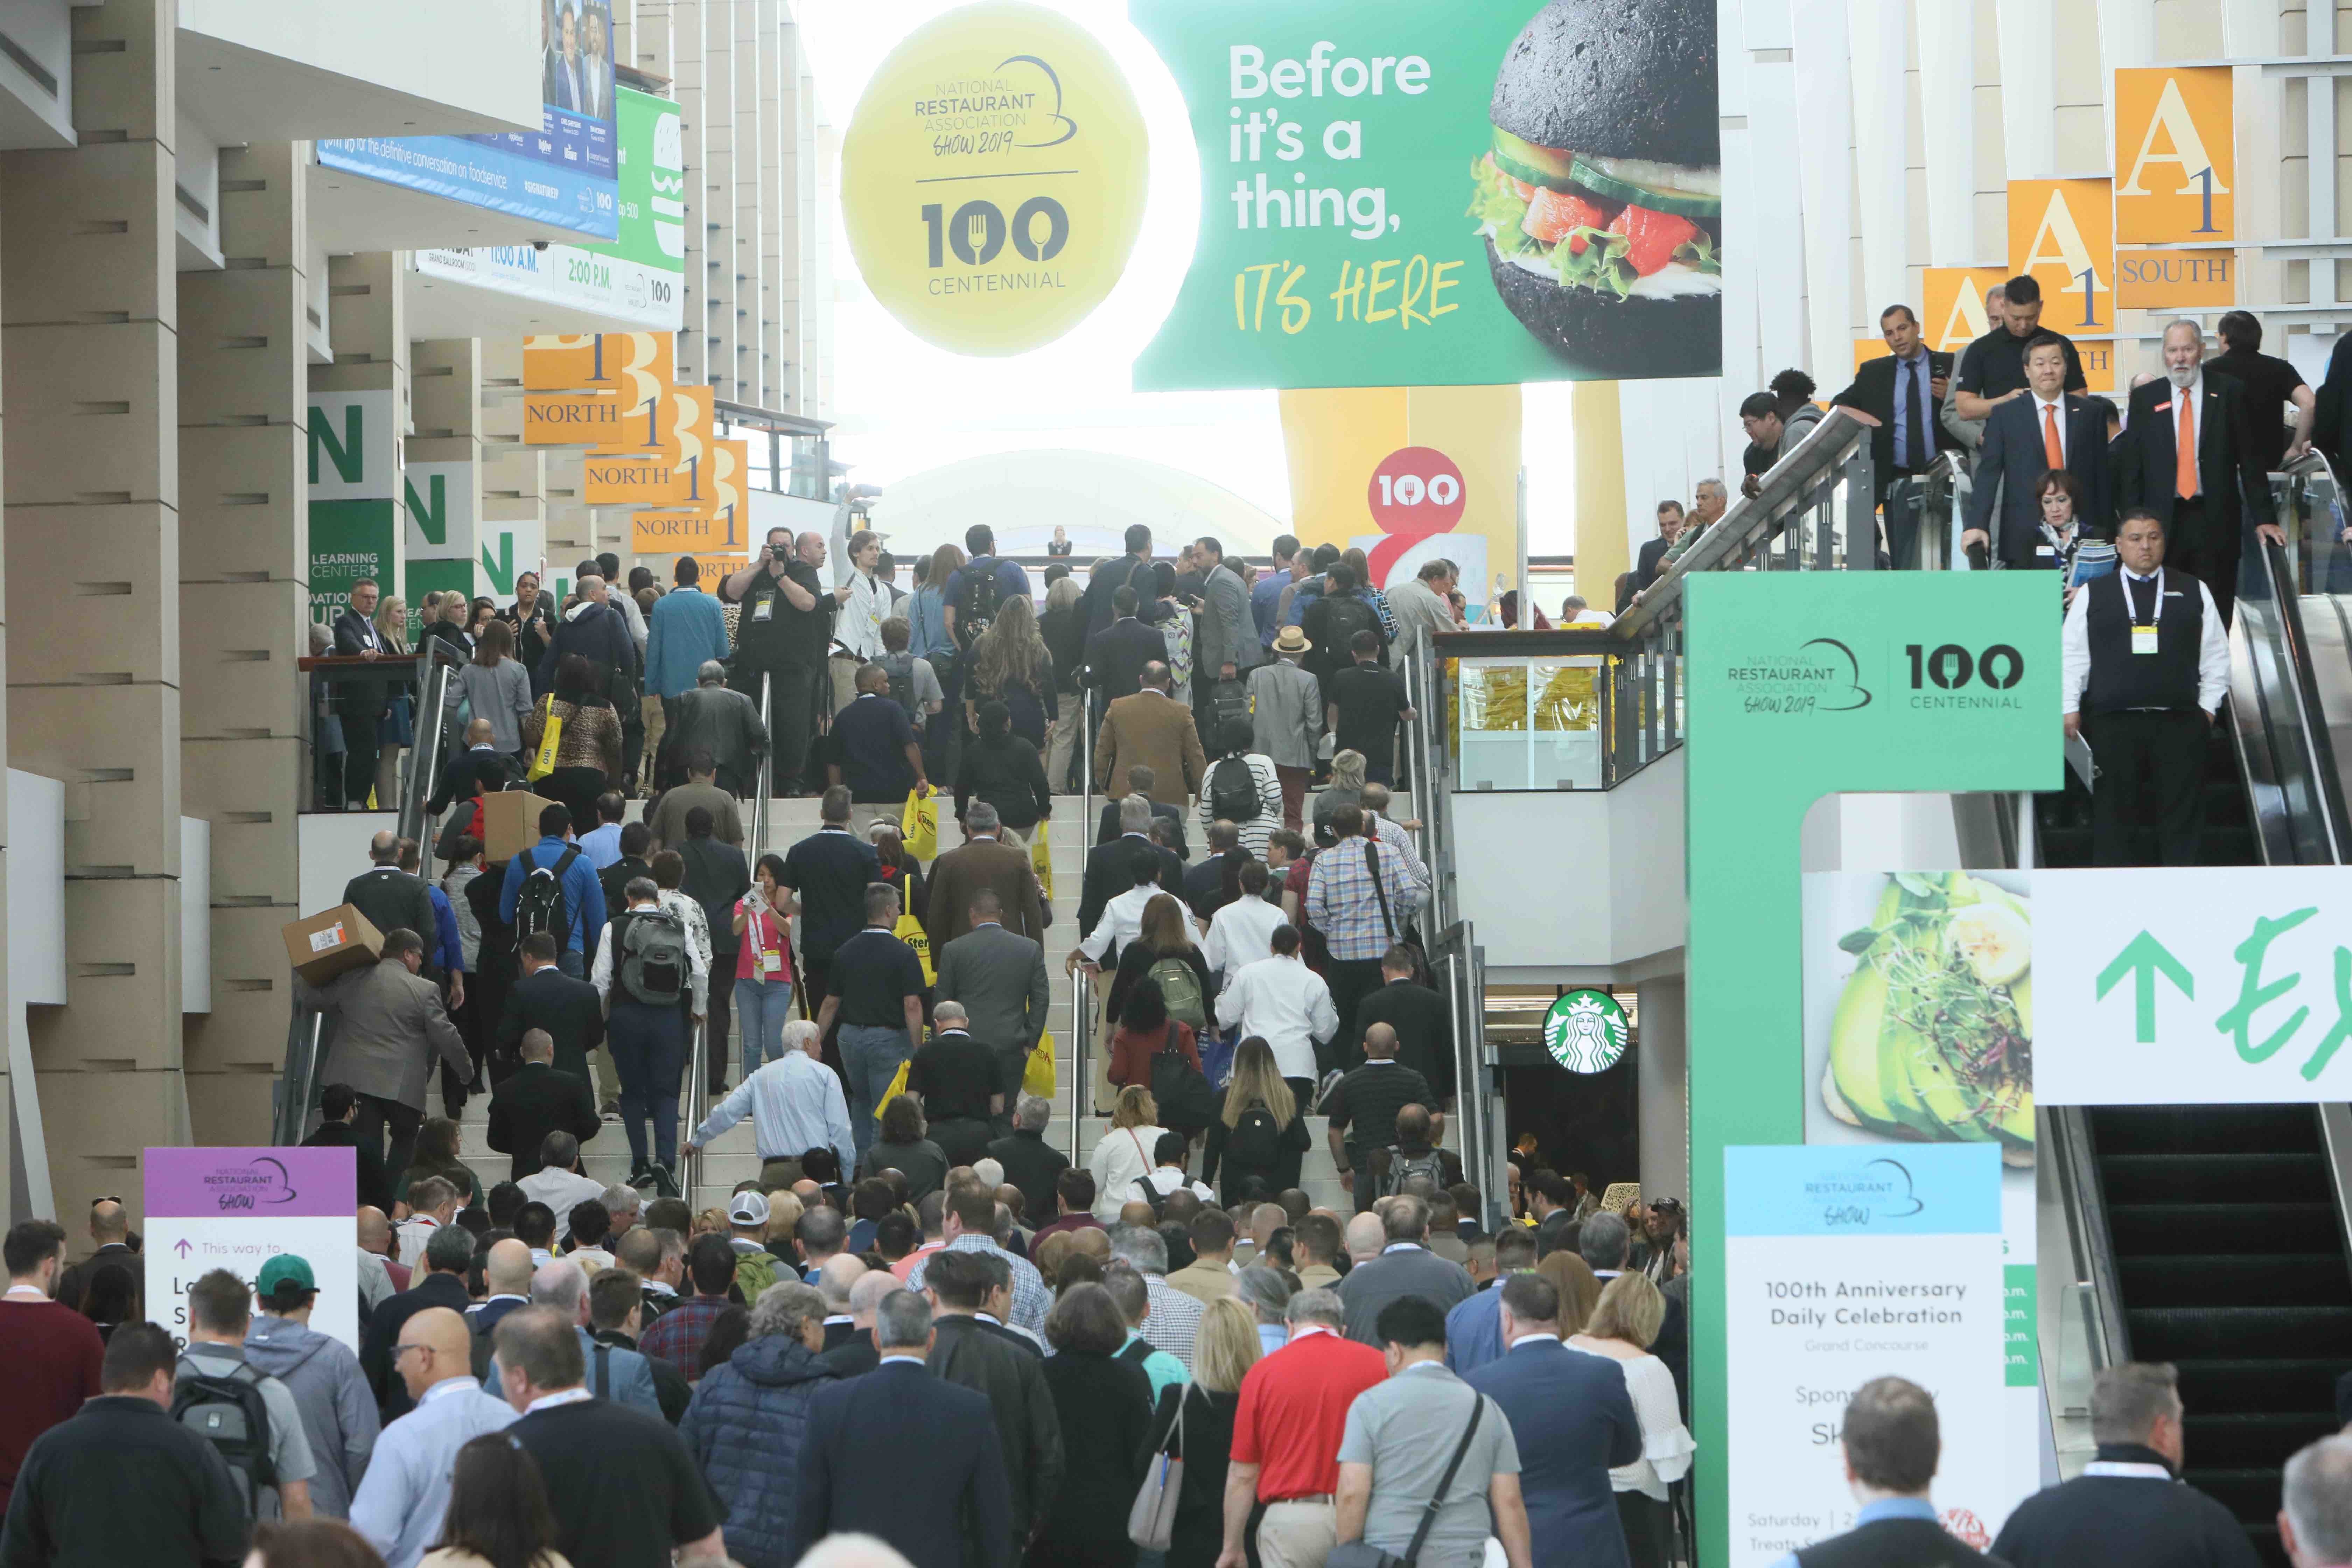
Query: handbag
[
  {"x": 1364, "y": 1554},
  {"x": 1151, "y": 1522},
  {"x": 1037, "y": 1073},
  {"x": 551, "y": 738},
  {"x": 1396, "y": 938},
  {"x": 1041, "y": 861},
  {"x": 1186, "y": 1102}
]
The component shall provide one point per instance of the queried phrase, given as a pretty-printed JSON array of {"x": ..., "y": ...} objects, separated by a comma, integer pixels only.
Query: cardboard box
[
  {"x": 510, "y": 822},
  {"x": 332, "y": 944}
]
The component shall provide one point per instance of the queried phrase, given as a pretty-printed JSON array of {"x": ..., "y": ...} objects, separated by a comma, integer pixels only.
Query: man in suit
[
  {"x": 983, "y": 863},
  {"x": 440, "y": 1281},
  {"x": 1229, "y": 643},
  {"x": 1030, "y": 1163},
  {"x": 560, "y": 85},
  {"x": 1405, "y": 1268},
  {"x": 1653, "y": 550},
  {"x": 389, "y": 1024},
  {"x": 1573, "y": 1420},
  {"x": 1892, "y": 1443},
  {"x": 1116, "y": 653},
  {"x": 865, "y": 1436},
  {"x": 481, "y": 769},
  {"x": 2202, "y": 487},
  {"x": 1423, "y": 1022},
  {"x": 2025, "y": 437},
  {"x": 1108, "y": 865},
  {"x": 713, "y": 722},
  {"x": 536, "y": 1101},
  {"x": 361, "y": 703},
  {"x": 546, "y": 998},
  {"x": 1903, "y": 392},
  {"x": 998, "y": 978},
  {"x": 1099, "y": 604},
  {"x": 1140, "y": 780},
  {"x": 1154, "y": 729},
  {"x": 1005, "y": 1371}
]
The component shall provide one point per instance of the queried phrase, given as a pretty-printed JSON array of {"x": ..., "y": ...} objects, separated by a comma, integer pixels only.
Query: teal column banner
[{"x": 1802, "y": 686}]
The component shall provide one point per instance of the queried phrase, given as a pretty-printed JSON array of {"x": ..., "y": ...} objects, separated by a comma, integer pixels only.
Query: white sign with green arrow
[{"x": 2196, "y": 986}]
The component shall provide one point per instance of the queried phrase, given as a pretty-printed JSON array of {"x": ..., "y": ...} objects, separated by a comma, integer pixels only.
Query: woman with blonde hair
[
  {"x": 1260, "y": 1162},
  {"x": 1009, "y": 663},
  {"x": 397, "y": 730},
  {"x": 1579, "y": 1288},
  {"x": 1621, "y": 1328},
  {"x": 1122, "y": 1155},
  {"x": 1346, "y": 788},
  {"x": 1064, "y": 627},
  {"x": 1194, "y": 1423}
]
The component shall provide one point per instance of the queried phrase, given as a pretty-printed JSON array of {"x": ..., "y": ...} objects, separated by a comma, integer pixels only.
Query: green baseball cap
[{"x": 284, "y": 1269}]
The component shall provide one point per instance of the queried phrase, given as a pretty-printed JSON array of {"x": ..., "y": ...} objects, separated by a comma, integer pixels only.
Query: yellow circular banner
[{"x": 994, "y": 178}]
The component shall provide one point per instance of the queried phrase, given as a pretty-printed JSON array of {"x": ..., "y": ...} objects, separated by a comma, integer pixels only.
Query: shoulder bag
[
  {"x": 1151, "y": 1522},
  {"x": 1362, "y": 1554}
]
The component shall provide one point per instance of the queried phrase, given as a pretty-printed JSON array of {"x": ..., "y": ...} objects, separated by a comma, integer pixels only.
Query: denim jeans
[
  {"x": 649, "y": 1045},
  {"x": 762, "y": 1007},
  {"x": 569, "y": 961},
  {"x": 869, "y": 1058}
]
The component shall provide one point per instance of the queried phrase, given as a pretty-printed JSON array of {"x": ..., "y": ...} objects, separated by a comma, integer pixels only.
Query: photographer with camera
[{"x": 784, "y": 629}]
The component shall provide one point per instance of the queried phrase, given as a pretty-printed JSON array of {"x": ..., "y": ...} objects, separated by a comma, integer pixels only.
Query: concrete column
[
  {"x": 1663, "y": 1086},
  {"x": 244, "y": 611},
  {"x": 88, "y": 326},
  {"x": 688, "y": 65}
]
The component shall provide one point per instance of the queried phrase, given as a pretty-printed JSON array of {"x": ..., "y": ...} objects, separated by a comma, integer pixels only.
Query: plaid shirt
[
  {"x": 1031, "y": 1299},
  {"x": 1175, "y": 1320},
  {"x": 678, "y": 1334},
  {"x": 1342, "y": 905}
]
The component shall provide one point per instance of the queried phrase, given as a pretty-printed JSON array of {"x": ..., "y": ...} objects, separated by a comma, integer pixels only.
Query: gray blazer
[
  {"x": 721, "y": 719},
  {"x": 388, "y": 1026},
  {"x": 1228, "y": 629},
  {"x": 1285, "y": 713},
  {"x": 1000, "y": 977},
  {"x": 1419, "y": 613},
  {"x": 501, "y": 693}
]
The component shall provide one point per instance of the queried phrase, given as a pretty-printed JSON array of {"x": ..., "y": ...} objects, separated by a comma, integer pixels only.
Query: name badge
[
  {"x": 2142, "y": 639},
  {"x": 771, "y": 963},
  {"x": 765, "y": 610},
  {"x": 2044, "y": 550}
]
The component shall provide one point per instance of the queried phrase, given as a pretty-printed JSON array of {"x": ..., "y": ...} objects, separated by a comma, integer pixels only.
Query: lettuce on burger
[{"x": 1601, "y": 196}]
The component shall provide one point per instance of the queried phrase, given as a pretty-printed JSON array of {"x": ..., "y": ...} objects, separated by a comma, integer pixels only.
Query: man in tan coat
[
  {"x": 1154, "y": 729},
  {"x": 388, "y": 1026},
  {"x": 983, "y": 862}
]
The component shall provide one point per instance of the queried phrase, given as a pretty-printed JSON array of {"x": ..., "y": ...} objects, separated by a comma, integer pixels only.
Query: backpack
[
  {"x": 977, "y": 595},
  {"x": 1255, "y": 1140},
  {"x": 229, "y": 1412},
  {"x": 651, "y": 950},
  {"x": 538, "y": 902},
  {"x": 1403, "y": 1167},
  {"x": 1182, "y": 987},
  {"x": 901, "y": 669},
  {"x": 1233, "y": 790},
  {"x": 1146, "y": 1193},
  {"x": 1346, "y": 616}
]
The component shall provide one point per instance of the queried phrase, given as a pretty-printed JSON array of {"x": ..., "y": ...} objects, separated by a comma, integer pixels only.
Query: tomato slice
[
  {"x": 1652, "y": 237},
  {"x": 1551, "y": 214}
]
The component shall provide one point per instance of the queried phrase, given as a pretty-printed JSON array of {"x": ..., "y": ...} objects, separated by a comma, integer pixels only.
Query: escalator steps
[
  {"x": 2183, "y": 1177},
  {"x": 2176, "y": 1230},
  {"x": 2181, "y": 1333},
  {"x": 2186, "y": 1280},
  {"x": 2252, "y": 1441},
  {"x": 2221, "y": 1387},
  {"x": 2205, "y": 1128}
]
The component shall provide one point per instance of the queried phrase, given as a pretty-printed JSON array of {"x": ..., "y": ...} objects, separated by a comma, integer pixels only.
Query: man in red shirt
[
  {"x": 53, "y": 1350},
  {"x": 1285, "y": 1449}
]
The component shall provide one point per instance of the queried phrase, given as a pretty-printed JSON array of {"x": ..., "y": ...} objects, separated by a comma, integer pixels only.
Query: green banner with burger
[{"x": 1399, "y": 194}]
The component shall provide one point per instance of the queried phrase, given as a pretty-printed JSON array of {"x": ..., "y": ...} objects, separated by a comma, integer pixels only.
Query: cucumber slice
[
  {"x": 1535, "y": 165},
  {"x": 1682, "y": 204}
]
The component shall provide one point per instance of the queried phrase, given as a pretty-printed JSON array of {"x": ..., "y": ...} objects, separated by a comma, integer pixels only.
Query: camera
[
  {"x": 780, "y": 552},
  {"x": 538, "y": 245}
]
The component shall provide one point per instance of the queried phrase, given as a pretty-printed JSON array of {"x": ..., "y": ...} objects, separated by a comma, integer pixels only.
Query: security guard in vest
[{"x": 2145, "y": 665}]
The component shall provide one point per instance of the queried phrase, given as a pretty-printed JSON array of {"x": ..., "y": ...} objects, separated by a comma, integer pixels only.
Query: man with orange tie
[
  {"x": 2025, "y": 436},
  {"x": 2187, "y": 455}
]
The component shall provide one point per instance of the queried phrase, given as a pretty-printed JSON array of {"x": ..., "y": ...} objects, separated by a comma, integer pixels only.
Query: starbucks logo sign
[{"x": 1586, "y": 1031}]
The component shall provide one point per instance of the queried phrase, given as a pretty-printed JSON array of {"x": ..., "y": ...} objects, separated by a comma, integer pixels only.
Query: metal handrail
[
  {"x": 1082, "y": 1012},
  {"x": 297, "y": 1083},
  {"x": 436, "y": 661},
  {"x": 697, "y": 1091},
  {"x": 765, "y": 778}
]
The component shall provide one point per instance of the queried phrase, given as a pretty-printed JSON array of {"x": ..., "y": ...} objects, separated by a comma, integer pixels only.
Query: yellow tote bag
[
  {"x": 919, "y": 825},
  {"x": 1037, "y": 1077},
  {"x": 550, "y": 736},
  {"x": 897, "y": 1086},
  {"x": 910, "y": 930},
  {"x": 1041, "y": 857}
]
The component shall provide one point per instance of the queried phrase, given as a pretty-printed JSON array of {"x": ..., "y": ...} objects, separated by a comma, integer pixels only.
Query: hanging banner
[
  {"x": 570, "y": 418},
  {"x": 1842, "y": 1266},
  {"x": 672, "y": 422},
  {"x": 2176, "y": 279},
  {"x": 2063, "y": 233},
  {"x": 1427, "y": 196},
  {"x": 993, "y": 177},
  {"x": 1801, "y": 686},
  {"x": 509, "y": 549},
  {"x": 355, "y": 473},
  {"x": 1955, "y": 304},
  {"x": 2176, "y": 151},
  {"x": 721, "y": 527},
  {"x": 640, "y": 481},
  {"x": 238, "y": 1208},
  {"x": 638, "y": 363}
]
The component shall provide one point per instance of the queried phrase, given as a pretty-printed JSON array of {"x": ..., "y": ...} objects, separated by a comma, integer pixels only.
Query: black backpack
[
  {"x": 1348, "y": 616},
  {"x": 1146, "y": 1193},
  {"x": 977, "y": 593},
  {"x": 538, "y": 902},
  {"x": 901, "y": 669},
  {"x": 1255, "y": 1140},
  {"x": 1233, "y": 790},
  {"x": 229, "y": 1412}
]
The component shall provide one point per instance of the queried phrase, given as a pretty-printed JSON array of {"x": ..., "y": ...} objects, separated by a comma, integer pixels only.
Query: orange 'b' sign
[{"x": 2175, "y": 159}]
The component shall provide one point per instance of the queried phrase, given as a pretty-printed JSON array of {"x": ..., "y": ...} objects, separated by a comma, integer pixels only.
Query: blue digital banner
[{"x": 1926, "y": 1189}]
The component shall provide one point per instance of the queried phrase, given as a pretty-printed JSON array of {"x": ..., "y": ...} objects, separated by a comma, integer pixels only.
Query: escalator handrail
[{"x": 2303, "y": 693}]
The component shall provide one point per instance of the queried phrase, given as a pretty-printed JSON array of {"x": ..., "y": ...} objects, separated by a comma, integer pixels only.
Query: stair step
[{"x": 2173, "y": 1333}]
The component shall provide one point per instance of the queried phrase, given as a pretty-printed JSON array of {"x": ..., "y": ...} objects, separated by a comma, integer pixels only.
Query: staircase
[{"x": 734, "y": 1156}]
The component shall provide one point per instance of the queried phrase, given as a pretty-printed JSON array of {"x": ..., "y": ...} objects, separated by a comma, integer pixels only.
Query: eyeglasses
[{"x": 398, "y": 1350}]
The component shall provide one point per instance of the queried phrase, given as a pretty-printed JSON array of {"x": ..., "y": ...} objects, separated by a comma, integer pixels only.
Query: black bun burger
[{"x": 1601, "y": 198}]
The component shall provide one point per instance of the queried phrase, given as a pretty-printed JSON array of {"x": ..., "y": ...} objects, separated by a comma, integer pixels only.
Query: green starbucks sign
[{"x": 1587, "y": 1031}]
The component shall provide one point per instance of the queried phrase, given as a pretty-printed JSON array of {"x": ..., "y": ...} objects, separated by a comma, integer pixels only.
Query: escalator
[{"x": 2216, "y": 1234}]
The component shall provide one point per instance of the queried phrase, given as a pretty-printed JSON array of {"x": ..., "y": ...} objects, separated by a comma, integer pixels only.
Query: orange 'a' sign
[
  {"x": 2176, "y": 155},
  {"x": 2063, "y": 234},
  {"x": 1956, "y": 305}
]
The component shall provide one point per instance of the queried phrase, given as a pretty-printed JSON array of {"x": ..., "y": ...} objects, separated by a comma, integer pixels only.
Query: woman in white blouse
[
  {"x": 1124, "y": 1152},
  {"x": 1621, "y": 1328}
]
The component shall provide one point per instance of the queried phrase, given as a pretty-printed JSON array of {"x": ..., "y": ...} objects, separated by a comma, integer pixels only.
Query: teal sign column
[{"x": 1801, "y": 686}]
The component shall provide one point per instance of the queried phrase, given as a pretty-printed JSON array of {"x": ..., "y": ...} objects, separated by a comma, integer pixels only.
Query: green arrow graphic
[{"x": 2144, "y": 958}]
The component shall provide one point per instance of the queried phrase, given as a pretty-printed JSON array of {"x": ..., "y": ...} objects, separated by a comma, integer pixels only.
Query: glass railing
[{"x": 2291, "y": 671}]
